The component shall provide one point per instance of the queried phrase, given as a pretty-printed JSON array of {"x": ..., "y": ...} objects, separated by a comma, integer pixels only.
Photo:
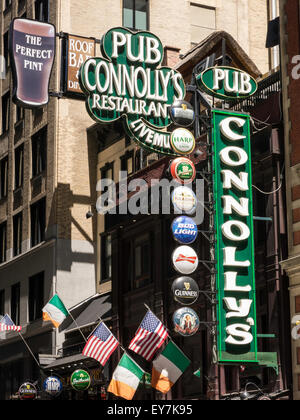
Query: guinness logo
[{"x": 185, "y": 290}]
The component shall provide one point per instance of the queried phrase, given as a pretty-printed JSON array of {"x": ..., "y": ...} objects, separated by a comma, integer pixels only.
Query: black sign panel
[
  {"x": 32, "y": 52},
  {"x": 185, "y": 290}
]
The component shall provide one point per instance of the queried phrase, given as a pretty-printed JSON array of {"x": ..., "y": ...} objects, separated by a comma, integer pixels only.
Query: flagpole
[
  {"x": 29, "y": 349},
  {"x": 77, "y": 326},
  {"x": 74, "y": 321}
]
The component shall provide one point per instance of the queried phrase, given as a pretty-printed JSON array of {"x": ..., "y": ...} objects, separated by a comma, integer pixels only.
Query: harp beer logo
[{"x": 129, "y": 83}]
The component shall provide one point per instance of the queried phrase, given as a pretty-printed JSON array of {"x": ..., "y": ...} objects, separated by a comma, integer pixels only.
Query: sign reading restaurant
[{"x": 129, "y": 83}]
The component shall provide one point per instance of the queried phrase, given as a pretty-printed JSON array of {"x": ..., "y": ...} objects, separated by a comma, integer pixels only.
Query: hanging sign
[
  {"x": 79, "y": 50},
  {"x": 183, "y": 170},
  {"x": 183, "y": 141},
  {"x": 185, "y": 230},
  {"x": 32, "y": 52},
  {"x": 184, "y": 200},
  {"x": 52, "y": 386},
  {"x": 234, "y": 252},
  {"x": 27, "y": 391},
  {"x": 185, "y": 260},
  {"x": 129, "y": 83},
  {"x": 80, "y": 380},
  {"x": 186, "y": 322},
  {"x": 226, "y": 83},
  {"x": 185, "y": 290},
  {"x": 182, "y": 113}
]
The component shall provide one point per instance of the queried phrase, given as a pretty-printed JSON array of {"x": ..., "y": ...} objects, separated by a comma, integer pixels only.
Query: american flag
[
  {"x": 6, "y": 324},
  {"x": 101, "y": 344},
  {"x": 149, "y": 337}
]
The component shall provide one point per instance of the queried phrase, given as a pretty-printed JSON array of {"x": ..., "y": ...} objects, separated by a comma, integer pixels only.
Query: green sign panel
[
  {"x": 80, "y": 380},
  {"x": 227, "y": 83},
  {"x": 236, "y": 313},
  {"x": 129, "y": 83}
]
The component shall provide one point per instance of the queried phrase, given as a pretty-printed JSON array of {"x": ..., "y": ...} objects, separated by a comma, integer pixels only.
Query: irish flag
[
  {"x": 126, "y": 378},
  {"x": 55, "y": 311},
  {"x": 168, "y": 367}
]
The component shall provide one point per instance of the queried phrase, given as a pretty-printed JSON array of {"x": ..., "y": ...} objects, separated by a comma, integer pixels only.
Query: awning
[{"x": 88, "y": 313}]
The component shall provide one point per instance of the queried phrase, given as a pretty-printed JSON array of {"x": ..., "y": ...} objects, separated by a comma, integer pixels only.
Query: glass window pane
[
  {"x": 128, "y": 6},
  {"x": 141, "y": 21},
  {"x": 141, "y": 5}
]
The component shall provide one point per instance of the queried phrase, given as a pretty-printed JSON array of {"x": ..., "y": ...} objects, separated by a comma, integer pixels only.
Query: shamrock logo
[{"x": 129, "y": 83}]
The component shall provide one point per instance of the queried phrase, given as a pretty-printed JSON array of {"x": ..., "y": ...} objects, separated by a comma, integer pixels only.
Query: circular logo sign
[
  {"x": 183, "y": 141},
  {"x": 186, "y": 322},
  {"x": 182, "y": 113},
  {"x": 183, "y": 170},
  {"x": 80, "y": 380},
  {"x": 184, "y": 230},
  {"x": 185, "y": 260},
  {"x": 53, "y": 386},
  {"x": 27, "y": 391},
  {"x": 184, "y": 200},
  {"x": 185, "y": 290}
]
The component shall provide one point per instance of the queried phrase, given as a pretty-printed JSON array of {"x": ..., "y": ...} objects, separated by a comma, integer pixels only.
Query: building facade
[
  {"x": 289, "y": 31},
  {"x": 52, "y": 158}
]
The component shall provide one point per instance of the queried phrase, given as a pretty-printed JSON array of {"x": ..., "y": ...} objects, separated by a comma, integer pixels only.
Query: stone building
[{"x": 50, "y": 161}]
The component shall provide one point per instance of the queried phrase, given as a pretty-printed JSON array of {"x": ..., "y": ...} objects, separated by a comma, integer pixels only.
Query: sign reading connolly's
[
  {"x": 129, "y": 83},
  {"x": 237, "y": 339}
]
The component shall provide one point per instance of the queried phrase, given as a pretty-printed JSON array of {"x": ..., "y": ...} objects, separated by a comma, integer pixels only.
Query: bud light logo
[
  {"x": 184, "y": 230},
  {"x": 53, "y": 386}
]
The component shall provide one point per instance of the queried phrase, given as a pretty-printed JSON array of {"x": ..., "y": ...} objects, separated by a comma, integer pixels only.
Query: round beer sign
[
  {"x": 185, "y": 260},
  {"x": 185, "y": 290},
  {"x": 27, "y": 391},
  {"x": 184, "y": 200},
  {"x": 186, "y": 322},
  {"x": 183, "y": 170},
  {"x": 53, "y": 386},
  {"x": 185, "y": 230},
  {"x": 80, "y": 380},
  {"x": 182, "y": 113},
  {"x": 183, "y": 141}
]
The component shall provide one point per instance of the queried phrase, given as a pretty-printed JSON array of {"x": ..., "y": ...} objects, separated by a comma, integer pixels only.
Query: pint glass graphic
[{"x": 32, "y": 51}]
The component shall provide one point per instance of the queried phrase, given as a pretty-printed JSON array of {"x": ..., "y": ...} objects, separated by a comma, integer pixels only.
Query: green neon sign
[
  {"x": 129, "y": 83},
  {"x": 226, "y": 83},
  {"x": 234, "y": 251}
]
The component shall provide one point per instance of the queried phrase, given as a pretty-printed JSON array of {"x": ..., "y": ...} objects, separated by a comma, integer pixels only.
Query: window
[
  {"x": 142, "y": 256},
  {"x": 5, "y": 112},
  {"x": 6, "y": 4},
  {"x": 39, "y": 152},
  {"x": 106, "y": 268},
  {"x": 127, "y": 163},
  {"x": 107, "y": 173},
  {"x": 19, "y": 166},
  {"x": 5, "y": 50},
  {"x": 36, "y": 297},
  {"x": 17, "y": 227},
  {"x": 3, "y": 177},
  {"x": 203, "y": 22},
  {"x": 19, "y": 113},
  {"x": 2, "y": 302},
  {"x": 135, "y": 14},
  {"x": 15, "y": 303},
  {"x": 42, "y": 10},
  {"x": 3, "y": 239},
  {"x": 38, "y": 222}
]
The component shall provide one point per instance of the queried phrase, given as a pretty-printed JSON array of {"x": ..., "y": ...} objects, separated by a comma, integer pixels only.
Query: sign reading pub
[{"x": 128, "y": 82}]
